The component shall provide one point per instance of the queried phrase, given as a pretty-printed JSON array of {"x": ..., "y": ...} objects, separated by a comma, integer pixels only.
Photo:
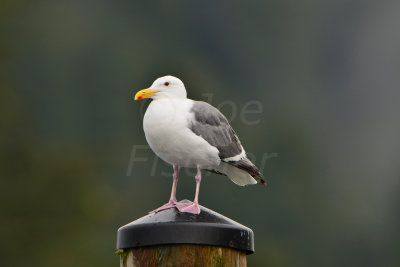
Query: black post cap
[{"x": 173, "y": 227}]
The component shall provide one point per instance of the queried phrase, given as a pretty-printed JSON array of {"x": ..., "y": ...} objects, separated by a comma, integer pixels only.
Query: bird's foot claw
[
  {"x": 189, "y": 207},
  {"x": 170, "y": 204}
]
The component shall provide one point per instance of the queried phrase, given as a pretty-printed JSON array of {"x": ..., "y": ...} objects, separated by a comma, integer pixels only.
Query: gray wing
[{"x": 212, "y": 125}]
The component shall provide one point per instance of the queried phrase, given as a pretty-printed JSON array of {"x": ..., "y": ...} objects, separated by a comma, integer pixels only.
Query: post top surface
[{"x": 173, "y": 227}]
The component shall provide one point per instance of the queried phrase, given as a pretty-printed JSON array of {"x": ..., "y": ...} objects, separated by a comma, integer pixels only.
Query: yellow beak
[{"x": 145, "y": 93}]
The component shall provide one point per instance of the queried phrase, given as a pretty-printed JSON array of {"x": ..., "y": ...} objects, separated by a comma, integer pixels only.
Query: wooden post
[
  {"x": 183, "y": 255},
  {"x": 171, "y": 238}
]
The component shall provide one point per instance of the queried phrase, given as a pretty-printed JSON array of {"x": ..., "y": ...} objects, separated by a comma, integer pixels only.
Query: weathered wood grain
[{"x": 183, "y": 256}]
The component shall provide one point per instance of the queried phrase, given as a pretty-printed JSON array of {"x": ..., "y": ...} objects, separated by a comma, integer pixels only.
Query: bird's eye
[{"x": 166, "y": 83}]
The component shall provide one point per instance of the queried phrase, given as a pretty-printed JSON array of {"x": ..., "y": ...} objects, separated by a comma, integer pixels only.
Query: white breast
[{"x": 165, "y": 125}]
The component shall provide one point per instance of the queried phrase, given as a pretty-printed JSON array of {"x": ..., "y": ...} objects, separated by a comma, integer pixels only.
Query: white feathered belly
[{"x": 166, "y": 128}]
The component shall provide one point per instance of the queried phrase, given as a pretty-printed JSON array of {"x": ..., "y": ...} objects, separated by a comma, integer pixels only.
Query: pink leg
[
  {"x": 193, "y": 207},
  {"x": 172, "y": 200}
]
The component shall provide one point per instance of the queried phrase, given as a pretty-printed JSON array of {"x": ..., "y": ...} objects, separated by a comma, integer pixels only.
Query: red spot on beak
[{"x": 140, "y": 98}]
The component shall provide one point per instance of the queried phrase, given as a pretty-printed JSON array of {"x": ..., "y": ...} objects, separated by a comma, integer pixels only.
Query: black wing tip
[
  {"x": 246, "y": 165},
  {"x": 259, "y": 177}
]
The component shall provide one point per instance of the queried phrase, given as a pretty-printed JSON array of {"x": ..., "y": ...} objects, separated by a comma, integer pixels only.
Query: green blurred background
[{"x": 327, "y": 76}]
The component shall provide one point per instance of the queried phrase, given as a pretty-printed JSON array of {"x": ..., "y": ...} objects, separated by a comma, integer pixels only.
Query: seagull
[{"x": 192, "y": 134}]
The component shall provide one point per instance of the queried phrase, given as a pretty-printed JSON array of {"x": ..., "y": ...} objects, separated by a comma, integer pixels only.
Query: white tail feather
[{"x": 238, "y": 176}]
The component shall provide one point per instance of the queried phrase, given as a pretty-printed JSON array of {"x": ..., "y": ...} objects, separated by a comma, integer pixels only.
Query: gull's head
[{"x": 164, "y": 87}]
